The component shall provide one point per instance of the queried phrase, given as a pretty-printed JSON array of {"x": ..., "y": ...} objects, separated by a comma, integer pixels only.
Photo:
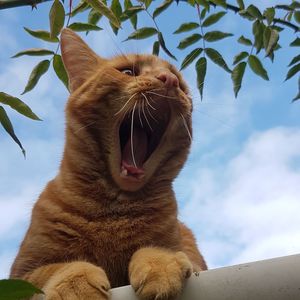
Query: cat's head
[{"x": 131, "y": 111}]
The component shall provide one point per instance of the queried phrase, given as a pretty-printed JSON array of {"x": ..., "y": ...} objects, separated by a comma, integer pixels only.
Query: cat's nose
[{"x": 169, "y": 79}]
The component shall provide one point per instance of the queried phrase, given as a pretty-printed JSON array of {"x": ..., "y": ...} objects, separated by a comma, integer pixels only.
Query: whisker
[
  {"x": 139, "y": 111},
  {"x": 143, "y": 108},
  {"x": 85, "y": 126},
  {"x": 131, "y": 135},
  {"x": 151, "y": 106},
  {"x": 125, "y": 104},
  {"x": 186, "y": 126},
  {"x": 148, "y": 102},
  {"x": 149, "y": 112},
  {"x": 164, "y": 96}
]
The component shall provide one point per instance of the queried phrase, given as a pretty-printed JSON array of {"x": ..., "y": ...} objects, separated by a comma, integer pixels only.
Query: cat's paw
[
  {"x": 156, "y": 273},
  {"x": 78, "y": 281}
]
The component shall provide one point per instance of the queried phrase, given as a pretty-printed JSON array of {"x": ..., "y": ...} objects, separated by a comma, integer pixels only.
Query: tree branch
[
  {"x": 16, "y": 3},
  {"x": 236, "y": 9},
  {"x": 276, "y": 20}
]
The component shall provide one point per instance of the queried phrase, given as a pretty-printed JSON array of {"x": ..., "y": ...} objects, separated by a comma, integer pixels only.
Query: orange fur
[{"x": 91, "y": 228}]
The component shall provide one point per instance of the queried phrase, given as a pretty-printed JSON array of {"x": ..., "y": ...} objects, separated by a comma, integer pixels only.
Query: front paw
[
  {"x": 78, "y": 281},
  {"x": 156, "y": 273}
]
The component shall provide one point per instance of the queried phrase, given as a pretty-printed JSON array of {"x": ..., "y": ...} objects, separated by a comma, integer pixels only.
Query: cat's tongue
[{"x": 139, "y": 147}]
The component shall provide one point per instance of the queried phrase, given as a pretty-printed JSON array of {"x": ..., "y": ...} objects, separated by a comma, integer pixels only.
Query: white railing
[{"x": 272, "y": 279}]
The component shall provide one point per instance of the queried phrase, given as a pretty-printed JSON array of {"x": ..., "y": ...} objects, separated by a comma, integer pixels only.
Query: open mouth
[{"x": 140, "y": 134}]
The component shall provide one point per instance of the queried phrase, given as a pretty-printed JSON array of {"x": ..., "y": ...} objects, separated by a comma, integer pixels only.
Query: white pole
[{"x": 272, "y": 279}]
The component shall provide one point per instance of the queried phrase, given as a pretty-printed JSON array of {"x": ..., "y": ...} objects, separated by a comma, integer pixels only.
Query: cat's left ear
[{"x": 79, "y": 59}]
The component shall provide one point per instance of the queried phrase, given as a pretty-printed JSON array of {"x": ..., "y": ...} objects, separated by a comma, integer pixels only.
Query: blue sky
[{"x": 239, "y": 190}]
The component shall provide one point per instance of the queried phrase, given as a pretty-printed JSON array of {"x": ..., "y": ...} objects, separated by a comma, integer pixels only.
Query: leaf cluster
[{"x": 200, "y": 36}]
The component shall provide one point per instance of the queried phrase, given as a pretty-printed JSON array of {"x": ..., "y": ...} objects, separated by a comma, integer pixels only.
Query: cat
[{"x": 109, "y": 218}]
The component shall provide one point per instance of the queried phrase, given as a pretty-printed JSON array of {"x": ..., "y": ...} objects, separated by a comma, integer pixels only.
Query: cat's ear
[{"x": 79, "y": 59}]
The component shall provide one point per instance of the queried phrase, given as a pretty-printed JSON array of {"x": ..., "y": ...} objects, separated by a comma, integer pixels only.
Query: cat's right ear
[{"x": 79, "y": 59}]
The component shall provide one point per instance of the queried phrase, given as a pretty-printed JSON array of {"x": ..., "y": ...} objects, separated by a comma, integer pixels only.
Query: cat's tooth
[{"x": 124, "y": 172}]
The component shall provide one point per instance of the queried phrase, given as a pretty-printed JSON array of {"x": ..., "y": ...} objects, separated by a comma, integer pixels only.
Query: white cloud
[
  {"x": 248, "y": 209},
  {"x": 14, "y": 219},
  {"x": 15, "y": 210},
  {"x": 6, "y": 259}
]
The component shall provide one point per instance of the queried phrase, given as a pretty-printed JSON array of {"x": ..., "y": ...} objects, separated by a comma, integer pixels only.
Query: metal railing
[{"x": 272, "y": 279}]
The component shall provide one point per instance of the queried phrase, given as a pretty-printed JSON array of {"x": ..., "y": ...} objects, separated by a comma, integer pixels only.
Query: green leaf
[
  {"x": 57, "y": 18},
  {"x": 237, "y": 77},
  {"x": 203, "y": 13},
  {"x": 147, "y": 2},
  {"x": 190, "y": 58},
  {"x": 16, "y": 289},
  {"x": 131, "y": 12},
  {"x": 163, "y": 45},
  {"x": 244, "y": 41},
  {"x": 6, "y": 288},
  {"x": 40, "y": 69},
  {"x": 116, "y": 8},
  {"x": 201, "y": 66},
  {"x": 213, "y": 36},
  {"x": 189, "y": 40},
  {"x": 297, "y": 16},
  {"x": 292, "y": 71},
  {"x": 83, "y": 27},
  {"x": 266, "y": 37},
  {"x": 254, "y": 12},
  {"x": 239, "y": 57},
  {"x": 273, "y": 40},
  {"x": 269, "y": 13},
  {"x": 142, "y": 33},
  {"x": 186, "y": 27},
  {"x": 241, "y": 4},
  {"x": 244, "y": 14},
  {"x": 257, "y": 67},
  {"x": 217, "y": 58},
  {"x": 203, "y": 3},
  {"x": 94, "y": 17},
  {"x": 295, "y": 43},
  {"x": 34, "y": 52},
  {"x": 162, "y": 7},
  {"x": 42, "y": 34},
  {"x": 220, "y": 3},
  {"x": 60, "y": 70},
  {"x": 82, "y": 6},
  {"x": 100, "y": 6},
  {"x": 258, "y": 32},
  {"x": 214, "y": 18},
  {"x": 289, "y": 16},
  {"x": 295, "y": 4},
  {"x": 155, "y": 50},
  {"x": 18, "y": 105},
  {"x": 277, "y": 47},
  {"x": 133, "y": 19},
  {"x": 294, "y": 60}
]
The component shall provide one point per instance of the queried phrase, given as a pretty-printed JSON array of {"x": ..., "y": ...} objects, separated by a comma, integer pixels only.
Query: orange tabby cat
[{"x": 109, "y": 217}]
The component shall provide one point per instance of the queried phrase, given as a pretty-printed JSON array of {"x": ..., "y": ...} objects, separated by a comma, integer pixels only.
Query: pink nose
[{"x": 169, "y": 79}]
